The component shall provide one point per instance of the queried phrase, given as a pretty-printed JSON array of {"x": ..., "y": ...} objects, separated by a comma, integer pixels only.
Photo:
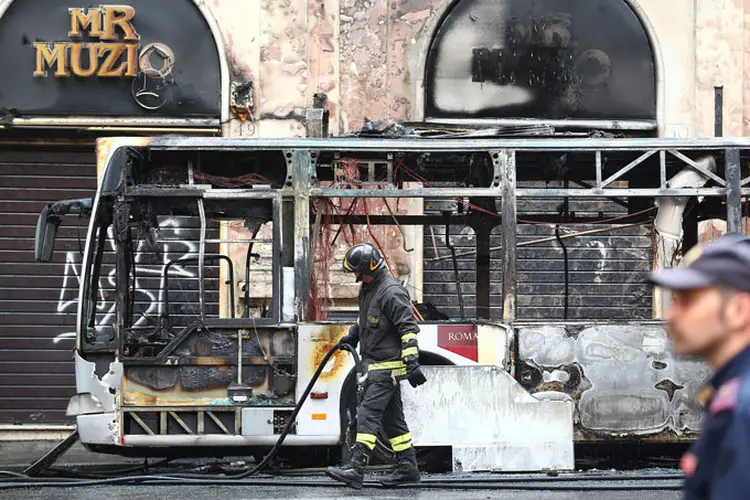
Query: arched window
[
  {"x": 541, "y": 59},
  {"x": 149, "y": 59}
]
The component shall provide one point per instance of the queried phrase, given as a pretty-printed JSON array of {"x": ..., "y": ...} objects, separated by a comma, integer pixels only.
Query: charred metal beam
[
  {"x": 315, "y": 231},
  {"x": 150, "y": 191},
  {"x": 625, "y": 192},
  {"x": 239, "y": 194},
  {"x": 507, "y": 160},
  {"x": 201, "y": 260},
  {"x": 276, "y": 263},
  {"x": 351, "y": 145},
  {"x": 456, "y": 276},
  {"x": 198, "y": 191},
  {"x": 123, "y": 249},
  {"x": 662, "y": 168},
  {"x": 699, "y": 168},
  {"x": 52, "y": 456},
  {"x": 734, "y": 192},
  {"x": 287, "y": 232},
  {"x": 627, "y": 168},
  {"x": 483, "y": 224},
  {"x": 450, "y": 192},
  {"x": 300, "y": 164}
]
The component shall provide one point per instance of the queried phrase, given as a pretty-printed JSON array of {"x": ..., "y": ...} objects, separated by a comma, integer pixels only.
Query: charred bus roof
[{"x": 463, "y": 162}]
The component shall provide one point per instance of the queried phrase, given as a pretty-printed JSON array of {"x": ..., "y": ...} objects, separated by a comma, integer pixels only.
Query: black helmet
[{"x": 363, "y": 258}]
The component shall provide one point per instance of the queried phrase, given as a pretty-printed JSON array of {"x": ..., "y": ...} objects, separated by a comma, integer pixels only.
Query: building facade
[{"x": 71, "y": 72}]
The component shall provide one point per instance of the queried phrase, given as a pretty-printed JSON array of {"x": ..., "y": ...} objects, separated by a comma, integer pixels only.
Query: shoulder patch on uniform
[{"x": 726, "y": 397}]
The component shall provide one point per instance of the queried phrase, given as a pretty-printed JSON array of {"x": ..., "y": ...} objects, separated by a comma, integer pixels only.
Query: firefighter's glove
[
  {"x": 414, "y": 374},
  {"x": 351, "y": 338}
]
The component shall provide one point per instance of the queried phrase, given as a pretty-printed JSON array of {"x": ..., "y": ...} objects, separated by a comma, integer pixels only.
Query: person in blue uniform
[
  {"x": 709, "y": 319},
  {"x": 386, "y": 332}
]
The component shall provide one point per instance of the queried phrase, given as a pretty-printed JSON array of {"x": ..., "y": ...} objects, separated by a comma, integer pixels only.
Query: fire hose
[
  {"x": 361, "y": 376},
  {"x": 654, "y": 481}
]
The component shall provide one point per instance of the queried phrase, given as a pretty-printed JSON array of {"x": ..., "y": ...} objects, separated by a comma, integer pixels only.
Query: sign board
[
  {"x": 140, "y": 58},
  {"x": 459, "y": 339}
]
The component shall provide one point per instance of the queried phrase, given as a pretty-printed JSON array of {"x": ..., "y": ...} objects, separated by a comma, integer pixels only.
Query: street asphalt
[
  {"x": 252, "y": 492},
  {"x": 579, "y": 485}
]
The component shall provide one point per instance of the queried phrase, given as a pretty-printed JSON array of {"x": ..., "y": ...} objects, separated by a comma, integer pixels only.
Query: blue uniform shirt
[{"x": 723, "y": 449}]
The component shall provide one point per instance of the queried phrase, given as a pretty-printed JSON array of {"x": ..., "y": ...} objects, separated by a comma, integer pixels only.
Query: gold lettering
[
  {"x": 132, "y": 60},
  {"x": 107, "y": 22},
  {"x": 75, "y": 59},
  {"x": 80, "y": 20},
  {"x": 119, "y": 15},
  {"x": 113, "y": 52},
  {"x": 51, "y": 54}
]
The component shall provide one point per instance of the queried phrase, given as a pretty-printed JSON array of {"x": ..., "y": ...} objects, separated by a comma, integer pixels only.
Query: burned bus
[{"x": 211, "y": 289}]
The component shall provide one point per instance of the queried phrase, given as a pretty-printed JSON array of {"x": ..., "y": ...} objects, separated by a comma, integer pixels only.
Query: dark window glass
[{"x": 546, "y": 59}]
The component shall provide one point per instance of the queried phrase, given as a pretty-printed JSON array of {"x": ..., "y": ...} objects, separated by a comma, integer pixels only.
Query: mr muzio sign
[
  {"x": 139, "y": 59},
  {"x": 117, "y": 52}
]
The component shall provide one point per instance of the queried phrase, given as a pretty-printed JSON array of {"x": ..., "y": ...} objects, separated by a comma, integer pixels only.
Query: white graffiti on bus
[{"x": 174, "y": 247}]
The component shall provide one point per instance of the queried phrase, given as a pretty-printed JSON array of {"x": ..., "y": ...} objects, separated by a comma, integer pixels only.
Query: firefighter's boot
[
  {"x": 406, "y": 471},
  {"x": 352, "y": 473}
]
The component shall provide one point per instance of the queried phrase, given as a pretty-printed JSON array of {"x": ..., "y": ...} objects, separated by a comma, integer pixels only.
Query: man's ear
[{"x": 738, "y": 312}]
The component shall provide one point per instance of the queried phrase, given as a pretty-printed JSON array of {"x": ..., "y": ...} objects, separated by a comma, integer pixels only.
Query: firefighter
[
  {"x": 386, "y": 332},
  {"x": 710, "y": 319}
]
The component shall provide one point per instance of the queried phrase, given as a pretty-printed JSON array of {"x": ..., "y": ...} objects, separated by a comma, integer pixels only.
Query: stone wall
[{"x": 368, "y": 57}]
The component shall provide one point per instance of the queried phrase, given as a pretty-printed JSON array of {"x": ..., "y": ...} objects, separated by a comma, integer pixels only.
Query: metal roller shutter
[
  {"x": 38, "y": 300},
  {"x": 606, "y": 271}
]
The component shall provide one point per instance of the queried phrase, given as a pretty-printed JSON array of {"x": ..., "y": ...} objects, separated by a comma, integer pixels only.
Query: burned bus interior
[{"x": 564, "y": 231}]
